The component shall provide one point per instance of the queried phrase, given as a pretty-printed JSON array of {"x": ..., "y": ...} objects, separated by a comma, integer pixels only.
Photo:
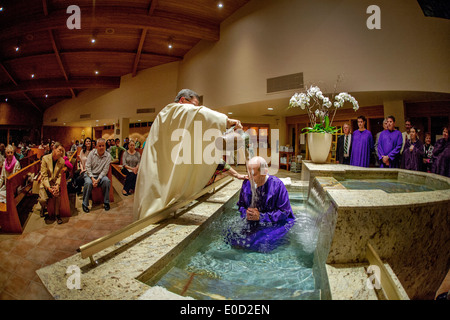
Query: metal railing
[{"x": 91, "y": 248}]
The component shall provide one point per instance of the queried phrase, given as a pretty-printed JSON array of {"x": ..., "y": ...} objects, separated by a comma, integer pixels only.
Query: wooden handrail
[{"x": 89, "y": 249}]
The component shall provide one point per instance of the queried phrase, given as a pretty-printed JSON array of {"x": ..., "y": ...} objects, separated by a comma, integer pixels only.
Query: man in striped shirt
[{"x": 97, "y": 166}]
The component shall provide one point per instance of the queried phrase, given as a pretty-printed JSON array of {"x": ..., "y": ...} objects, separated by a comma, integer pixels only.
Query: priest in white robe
[{"x": 179, "y": 157}]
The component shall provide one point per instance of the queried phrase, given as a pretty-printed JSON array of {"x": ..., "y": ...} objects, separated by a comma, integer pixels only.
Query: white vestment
[{"x": 176, "y": 170}]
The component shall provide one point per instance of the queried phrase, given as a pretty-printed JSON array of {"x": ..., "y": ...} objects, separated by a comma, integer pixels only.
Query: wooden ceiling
[{"x": 42, "y": 61}]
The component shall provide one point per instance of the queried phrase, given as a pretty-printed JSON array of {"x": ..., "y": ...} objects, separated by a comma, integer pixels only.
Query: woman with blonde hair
[{"x": 10, "y": 166}]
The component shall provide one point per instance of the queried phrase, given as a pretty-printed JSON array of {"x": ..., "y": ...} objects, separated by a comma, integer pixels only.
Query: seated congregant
[
  {"x": 130, "y": 162},
  {"x": 264, "y": 205},
  {"x": 115, "y": 151},
  {"x": 51, "y": 170},
  {"x": 97, "y": 167},
  {"x": 10, "y": 166}
]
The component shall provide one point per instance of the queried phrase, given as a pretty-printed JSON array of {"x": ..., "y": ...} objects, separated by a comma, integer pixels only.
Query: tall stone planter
[{"x": 319, "y": 145}]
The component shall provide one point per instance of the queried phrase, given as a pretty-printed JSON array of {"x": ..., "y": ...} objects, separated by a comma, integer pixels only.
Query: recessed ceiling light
[
  {"x": 1, "y": 9},
  {"x": 96, "y": 72},
  {"x": 46, "y": 95},
  {"x": 270, "y": 109},
  {"x": 220, "y": 5},
  {"x": 93, "y": 40},
  {"x": 230, "y": 112},
  {"x": 32, "y": 75},
  {"x": 17, "y": 48}
]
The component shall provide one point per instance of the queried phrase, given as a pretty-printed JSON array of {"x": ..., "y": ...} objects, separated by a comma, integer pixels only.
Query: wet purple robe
[
  {"x": 276, "y": 216},
  {"x": 441, "y": 158},
  {"x": 412, "y": 160},
  {"x": 362, "y": 146},
  {"x": 389, "y": 144}
]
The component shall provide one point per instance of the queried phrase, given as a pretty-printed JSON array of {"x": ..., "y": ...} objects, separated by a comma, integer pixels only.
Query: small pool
[
  {"x": 209, "y": 268},
  {"x": 387, "y": 185}
]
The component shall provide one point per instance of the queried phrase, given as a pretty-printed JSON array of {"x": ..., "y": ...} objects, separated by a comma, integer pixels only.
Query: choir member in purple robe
[
  {"x": 441, "y": 155},
  {"x": 427, "y": 153},
  {"x": 362, "y": 145},
  {"x": 265, "y": 208},
  {"x": 412, "y": 152},
  {"x": 389, "y": 145}
]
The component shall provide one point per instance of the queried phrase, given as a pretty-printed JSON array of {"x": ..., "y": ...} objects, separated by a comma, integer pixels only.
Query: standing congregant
[
  {"x": 362, "y": 145},
  {"x": 344, "y": 146},
  {"x": 389, "y": 145},
  {"x": 413, "y": 152},
  {"x": 441, "y": 155}
]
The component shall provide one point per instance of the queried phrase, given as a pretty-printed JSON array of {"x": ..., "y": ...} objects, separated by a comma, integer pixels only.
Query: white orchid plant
[{"x": 320, "y": 107}]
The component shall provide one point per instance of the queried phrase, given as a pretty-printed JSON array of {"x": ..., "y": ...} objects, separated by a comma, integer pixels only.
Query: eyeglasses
[{"x": 194, "y": 101}]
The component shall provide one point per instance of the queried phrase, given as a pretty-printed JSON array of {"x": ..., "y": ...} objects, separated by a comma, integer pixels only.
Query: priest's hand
[
  {"x": 386, "y": 160},
  {"x": 233, "y": 122},
  {"x": 252, "y": 214}
]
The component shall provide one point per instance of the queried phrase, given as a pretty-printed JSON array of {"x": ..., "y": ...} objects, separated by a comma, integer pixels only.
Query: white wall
[
  {"x": 270, "y": 38},
  {"x": 151, "y": 88},
  {"x": 322, "y": 38}
]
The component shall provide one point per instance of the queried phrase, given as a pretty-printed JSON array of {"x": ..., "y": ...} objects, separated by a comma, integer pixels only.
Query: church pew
[
  {"x": 117, "y": 172},
  {"x": 26, "y": 161},
  {"x": 64, "y": 209},
  {"x": 9, "y": 217}
]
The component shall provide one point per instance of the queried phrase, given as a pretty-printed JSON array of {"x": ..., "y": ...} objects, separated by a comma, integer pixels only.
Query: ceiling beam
[
  {"x": 7, "y": 73},
  {"x": 161, "y": 22},
  {"x": 16, "y": 85},
  {"x": 32, "y": 102},
  {"x": 139, "y": 51},
  {"x": 55, "y": 84},
  {"x": 153, "y": 5},
  {"x": 58, "y": 58},
  {"x": 101, "y": 53}
]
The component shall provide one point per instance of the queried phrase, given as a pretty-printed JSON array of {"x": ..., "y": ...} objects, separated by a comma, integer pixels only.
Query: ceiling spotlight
[
  {"x": 17, "y": 48},
  {"x": 32, "y": 76},
  {"x": 270, "y": 109},
  {"x": 6, "y": 99},
  {"x": 230, "y": 112},
  {"x": 96, "y": 72},
  {"x": 46, "y": 95},
  {"x": 1, "y": 9},
  {"x": 170, "y": 43},
  {"x": 220, "y": 5},
  {"x": 94, "y": 37}
]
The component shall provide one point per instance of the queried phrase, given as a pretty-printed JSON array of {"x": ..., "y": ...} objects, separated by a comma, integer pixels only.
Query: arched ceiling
[{"x": 42, "y": 61}]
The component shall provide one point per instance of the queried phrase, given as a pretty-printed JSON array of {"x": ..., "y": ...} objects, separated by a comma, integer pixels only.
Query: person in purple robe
[
  {"x": 265, "y": 207},
  {"x": 412, "y": 152},
  {"x": 441, "y": 155},
  {"x": 362, "y": 145},
  {"x": 389, "y": 145}
]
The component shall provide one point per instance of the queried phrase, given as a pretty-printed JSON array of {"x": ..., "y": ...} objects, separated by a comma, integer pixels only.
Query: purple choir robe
[
  {"x": 362, "y": 146},
  {"x": 441, "y": 158},
  {"x": 276, "y": 217},
  {"x": 389, "y": 144},
  {"x": 412, "y": 160}
]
